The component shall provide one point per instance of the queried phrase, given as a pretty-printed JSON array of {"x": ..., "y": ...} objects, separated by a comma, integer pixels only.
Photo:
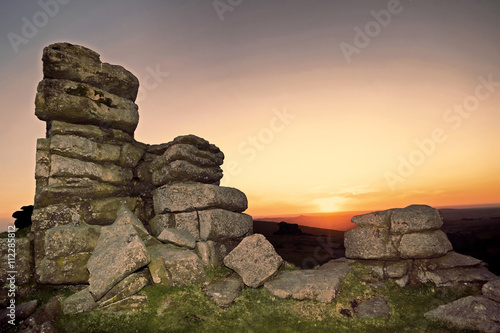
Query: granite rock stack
[
  {"x": 408, "y": 246},
  {"x": 89, "y": 167}
]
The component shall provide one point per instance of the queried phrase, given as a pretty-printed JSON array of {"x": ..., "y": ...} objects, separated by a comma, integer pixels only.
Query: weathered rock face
[
  {"x": 472, "y": 312},
  {"x": 62, "y": 252},
  {"x": 173, "y": 266},
  {"x": 254, "y": 259},
  {"x": 188, "y": 158},
  {"x": 184, "y": 197},
  {"x": 90, "y": 171},
  {"x": 85, "y": 165},
  {"x": 450, "y": 269},
  {"x": 492, "y": 290},
  {"x": 411, "y": 232},
  {"x": 80, "y": 64},
  {"x": 119, "y": 252}
]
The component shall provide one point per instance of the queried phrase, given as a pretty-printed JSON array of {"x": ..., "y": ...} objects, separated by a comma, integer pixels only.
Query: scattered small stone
[
  {"x": 224, "y": 292},
  {"x": 375, "y": 307}
]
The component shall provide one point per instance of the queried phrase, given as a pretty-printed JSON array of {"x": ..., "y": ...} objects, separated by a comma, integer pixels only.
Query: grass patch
[{"x": 187, "y": 309}]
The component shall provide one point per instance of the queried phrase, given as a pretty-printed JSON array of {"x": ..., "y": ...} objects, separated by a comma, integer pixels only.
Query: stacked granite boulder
[
  {"x": 407, "y": 245},
  {"x": 190, "y": 199},
  {"x": 89, "y": 169},
  {"x": 85, "y": 165}
]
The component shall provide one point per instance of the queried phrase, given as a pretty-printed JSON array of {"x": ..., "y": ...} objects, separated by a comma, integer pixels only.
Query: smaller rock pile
[
  {"x": 406, "y": 245},
  {"x": 188, "y": 159},
  {"x": 190, "y": 199},
  {"x": 408, "y": 233}
]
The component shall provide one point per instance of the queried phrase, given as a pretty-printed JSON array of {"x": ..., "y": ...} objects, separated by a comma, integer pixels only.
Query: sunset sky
[{"x": 318, "y": 105}]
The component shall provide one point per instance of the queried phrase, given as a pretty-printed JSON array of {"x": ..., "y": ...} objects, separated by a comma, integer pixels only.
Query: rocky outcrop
[
  {"x": 89, "y": 169},
  {"x": 85, "y": 165}
]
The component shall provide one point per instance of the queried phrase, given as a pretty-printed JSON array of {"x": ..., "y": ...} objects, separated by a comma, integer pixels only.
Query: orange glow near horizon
[{"x": 413, "y": 118}]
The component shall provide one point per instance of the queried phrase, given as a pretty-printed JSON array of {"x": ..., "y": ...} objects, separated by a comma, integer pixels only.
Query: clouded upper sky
[{"x": 318, "y": 105}]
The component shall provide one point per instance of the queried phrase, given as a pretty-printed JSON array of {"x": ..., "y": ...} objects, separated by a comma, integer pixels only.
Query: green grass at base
[{"x": 187, "y": 309}]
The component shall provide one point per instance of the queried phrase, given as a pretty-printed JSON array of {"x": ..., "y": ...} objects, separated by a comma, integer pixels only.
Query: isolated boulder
[{"x": 254, "y": 259}]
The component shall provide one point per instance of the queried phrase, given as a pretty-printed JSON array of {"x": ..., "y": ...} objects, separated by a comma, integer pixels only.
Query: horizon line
[{"x": 470, "y": 206}]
